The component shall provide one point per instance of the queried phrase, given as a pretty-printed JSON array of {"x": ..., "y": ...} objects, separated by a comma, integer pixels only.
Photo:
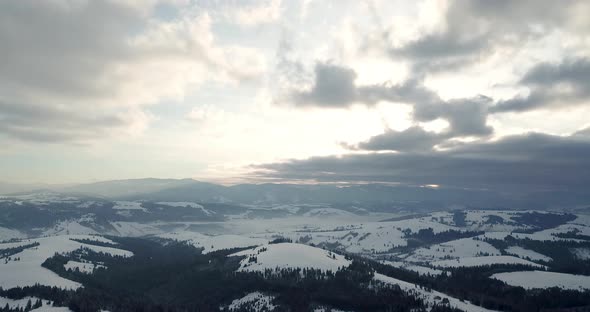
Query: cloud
[
  {"x": 466, "y": 117},
  {"x": 256, "y": 15},
  {"x": 334, "y": 87},
  {"x": 470, "y": 31},
  {"x": 413, "y": 139},
  {"x": 552, "y": 85},
  {"x": 41, "y": 123},
  {"x": 517, "y": 163},
  {"x": 93, "y": 65}
]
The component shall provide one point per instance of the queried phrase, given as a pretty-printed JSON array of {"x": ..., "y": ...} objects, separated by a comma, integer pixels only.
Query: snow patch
[
  {"x": 479, "y": 261},
  {"x": 257, "y": 300},
  {"x": 527, "y": 254},
  {"x": 211, "y": 243},
  {"x": 83, "y": 267},
  {"x": 187, "y": 204},
  {"x": 290, "y": 255},
  {"x": 128, "y": 205},
  {"x": 543, "y": 279},
  {"x": 429, "y": 297}
]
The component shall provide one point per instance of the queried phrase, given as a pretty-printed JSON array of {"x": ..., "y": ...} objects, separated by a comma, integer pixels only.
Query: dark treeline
[
  {"x": 561, "y": 252},
  {"x": 428, "y": 237},
  {"x": 7, "y": 252},
  {"x": 178, "y": 277}
]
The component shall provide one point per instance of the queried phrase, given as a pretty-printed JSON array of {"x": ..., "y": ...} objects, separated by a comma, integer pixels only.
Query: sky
[{"x": 470, "y": 94}]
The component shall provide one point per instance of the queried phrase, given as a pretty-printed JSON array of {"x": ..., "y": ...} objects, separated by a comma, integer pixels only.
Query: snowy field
[
  {"x": 430, "y": 297},
  {"x": 211, "y": 243},
  {"x": 543, "y": 279},
  {"x": 128, "y": 205},
  {"x": 83, "y": 267},
  {"x": 289, "y": 255},
  {"x": 527, "y": 254},
  {"x": 480, "y": 261},
  {"x": 27, "y": 270}
]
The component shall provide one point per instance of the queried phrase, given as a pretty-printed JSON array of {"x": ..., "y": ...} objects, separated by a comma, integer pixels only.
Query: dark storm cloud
[
  {"x": 334, "y": 87},
  {"x": 524, "y": 162},
  {"x": 412, "y": 139},
  {"x": 552, "y": 86},
  {"x": 466, "y": 117}
]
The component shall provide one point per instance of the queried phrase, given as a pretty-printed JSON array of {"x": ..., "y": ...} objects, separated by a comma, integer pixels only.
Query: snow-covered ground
[
  {"x": 83, "y": 267},
  {"x": 52, "y": 309},
  {"x": 211, "y": 243},
  {"x": 187, "y": 204},
  {"x": 135, "y": 229},
  {"x": 22, "y": 303},
  {"x": 429, "y": 297},
  {"x": 128, "y": 205},
  {"x": 27, "y": 270},
  {"x": 460, "y": 248},
  {"x": 69, "y": 227},
  {"x": 527, "y": 254},
  {"x": 329, "y": 212},
  {"x": 581, "y": 253},
  {"x": 8, "y": 234},
  {"x": 479, "y": 261},
  {"x": 257, "y": 300},
  {"x": 422, "y": 270},
  {"x": 43, "y": 198},
  {"x": 290, "y": 255},
  {"x": 19, "y": 303},
  {"x": 543, "y": 279}
]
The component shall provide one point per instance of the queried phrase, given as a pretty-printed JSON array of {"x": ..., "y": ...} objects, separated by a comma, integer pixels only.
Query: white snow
[
  {"x": 52, "y": 309},
  {"x": 28, "y": 270},
  {"x": 543, "y": 279},
  {"x": 134, "y": 229},
  {"x": 128, "y": 205},
  {"x": 527, "y": 254},
  {"x": 86, "y": 204},
  {"x": 214, "y": 242},
  {"x": 83, "y": 267},
  {"x": 18, "y": 303},
  {"x": 329, "y": 212},
  {"x": 460, "y": 248},
  {"x": 327, "y": 310},
  {"x": 422, "y": 270},
  {"x": 187, "y": 204},
  {"x": 260, "y": 301},
  {"x": 477, "y": 261},
  {"x": 8, "y": 234},
  {"x": 69, "y": 227},
  {"x": 430, "y": 297},
  {"x": 290, "y": 255},
  {"x": 581, "y": 253}
]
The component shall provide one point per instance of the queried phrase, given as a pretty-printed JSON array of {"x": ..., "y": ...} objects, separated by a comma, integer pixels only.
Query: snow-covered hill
[
  {"x": 211, "y": 243},
  {"x": 290, "y": 255},
  {"x": 24, "y": 268}
]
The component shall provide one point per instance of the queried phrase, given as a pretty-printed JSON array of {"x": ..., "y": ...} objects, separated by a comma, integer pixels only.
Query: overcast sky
[{"x": 479, "y": 94}]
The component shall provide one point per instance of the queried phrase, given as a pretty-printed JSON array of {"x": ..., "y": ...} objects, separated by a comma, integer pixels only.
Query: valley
[{"x": 68, "y": 246}]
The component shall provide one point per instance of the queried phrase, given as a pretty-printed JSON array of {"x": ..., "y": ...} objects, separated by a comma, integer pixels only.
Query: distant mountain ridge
[{"x": 373, "y": 195}]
